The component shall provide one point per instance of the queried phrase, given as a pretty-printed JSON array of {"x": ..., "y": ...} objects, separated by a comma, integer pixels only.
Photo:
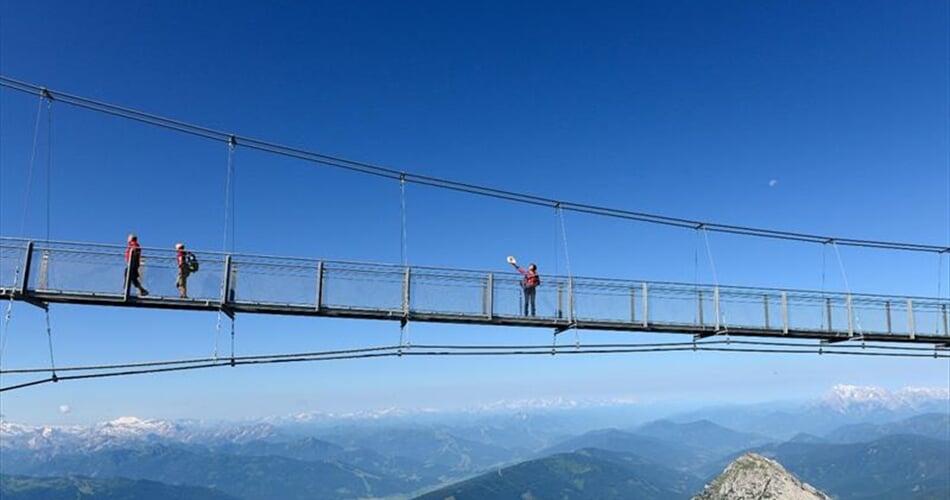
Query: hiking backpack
[{"x": 191, "y": 262}]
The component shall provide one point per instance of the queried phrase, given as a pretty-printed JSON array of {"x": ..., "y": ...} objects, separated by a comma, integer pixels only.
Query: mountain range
[
  {"x": 586, "y": 473},
  {"x": 536, "y": 454},
  {"x": 249, "y": 477},
  {"x": 47, "y": 488},
  {"x": 841, "y": 405},
  {"x": 897, "y": 466}
]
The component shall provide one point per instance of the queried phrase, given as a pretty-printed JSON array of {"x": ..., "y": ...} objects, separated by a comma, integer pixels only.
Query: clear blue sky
[{"x": 822, "y": 117}]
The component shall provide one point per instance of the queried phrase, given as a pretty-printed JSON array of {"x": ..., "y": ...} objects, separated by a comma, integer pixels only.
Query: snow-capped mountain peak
[
  {"x": 137, "y": 427},
  {"x": 132, "y": 421},
  {"x": 844, "y": 398},
  {"x": 123, "y": 431}
]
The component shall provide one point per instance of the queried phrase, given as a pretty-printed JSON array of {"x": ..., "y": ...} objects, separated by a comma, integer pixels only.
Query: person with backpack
[
  {"x": 187, "y": 264},
  {"x": 529, "y": 284},
  {"x": 133, "y": 259}
]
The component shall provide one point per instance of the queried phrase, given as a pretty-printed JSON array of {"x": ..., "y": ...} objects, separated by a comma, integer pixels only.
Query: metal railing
[{"x": 47, "y": 270}]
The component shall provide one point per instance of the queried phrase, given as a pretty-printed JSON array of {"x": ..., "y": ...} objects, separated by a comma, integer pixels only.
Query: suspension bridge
[
  {"x": 91, "y": 274},
  {"x": 45, "y": 272}
]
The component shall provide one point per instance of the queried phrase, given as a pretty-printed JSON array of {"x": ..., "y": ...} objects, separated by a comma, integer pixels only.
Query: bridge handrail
[
  {"x": 734, "y": 291},
  {"x": 93, "y": 273}
]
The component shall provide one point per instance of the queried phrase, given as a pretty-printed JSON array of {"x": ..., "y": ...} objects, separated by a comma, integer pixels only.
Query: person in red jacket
[
  {"x": 530, "y": 285},
  {"x": 133, "y": 258}
]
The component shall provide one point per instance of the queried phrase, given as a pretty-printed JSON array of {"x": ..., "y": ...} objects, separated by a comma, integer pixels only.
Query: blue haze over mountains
[{"x": 854, "y": 443}]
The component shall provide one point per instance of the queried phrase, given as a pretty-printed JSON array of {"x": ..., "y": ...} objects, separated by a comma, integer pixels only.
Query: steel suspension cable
[
  {"x": 404, "y": 333},
  {"x": 847, "y": 286},
  {"x": 49, "y": 337},
  {"x": 26, "y": 384},
  {"x": 194, "y": 361},
  {"x": 229, "y": 200},
  {"x": 567, "y": 263},
  {"x": 557, "y": 241},
  {"x": 225, "y": 249},
  {"x": 699, "y": 310},
  {"x": 534, "y": 351},
  {"x": 232, "y": 340},
  {"x": 570, "y": 277},
  {"x": 214, "y": 364},
  {"x": 947, "y": 157},
  {"x": 6, "y": 323},
  {"x": 844, "y": 274},
  {"x": 441, "y": 183},
  {"x": 403, "y": 247},
  {"x": 217, "y": 333},
  {"x": 531, "y": 351},
  {"x": 49, "y": 163},
  {"x": 49, "y": 182},
  {"x": 484, "y": 350},
  {"x": 29, "y": 176},
  {"x": 709, "y": 255},
  {"x": 939, "y": 288},
  {"x": 720, "y": 312},
  {"x": 26, "y": 208}
]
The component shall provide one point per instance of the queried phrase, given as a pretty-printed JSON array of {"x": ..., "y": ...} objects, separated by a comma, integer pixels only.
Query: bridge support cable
[
  {"x": 49, "y": 176},
  {"x": 844, "y": 274},
  {"x": 940, "y": 290},
  {"x": 26, "y": 210},
  {"x": 232, "y": 341},
  {"x": 217, "y": 334},
  {"x": 571, "y": 295},
  {"x": 824, "y": 266},
  {"x": 567, "y": 256},
  {"x": 404, "y": 239},
  {"x": 600, "y": 348},
  {"x": 698, "y": 319},
  {"x": 49, "y": 338},
  {"x": 26, "y": 384},
  {"x": 197, "y": 361},
  {"x": 227, "y": 247},
  {"x": 49, "y": 161},
  {"x": 6, "y": 321},
  {"x": 524, "y": 198},
  {"x": 854, "y": 321},
  {"x": 406, "y": 309},
  {"x": 723, "y": 346},
  {"x": 557, "y": 243},
  {"x": 29, "y": 175},
  {"x": 571, "y": 302},
  {"x": 228, "y": 242},
  {"x": 719, "y": 325},
  {"x": 404, "y": 340}
]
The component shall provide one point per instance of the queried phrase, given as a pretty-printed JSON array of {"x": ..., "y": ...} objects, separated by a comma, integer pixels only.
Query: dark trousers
[
  {"x": 529, "y": 294},
  {"x": 134, "y": 277}
]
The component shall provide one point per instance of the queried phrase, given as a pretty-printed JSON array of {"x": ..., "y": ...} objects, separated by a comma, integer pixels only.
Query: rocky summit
[{"x": 753, "y": 476}]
